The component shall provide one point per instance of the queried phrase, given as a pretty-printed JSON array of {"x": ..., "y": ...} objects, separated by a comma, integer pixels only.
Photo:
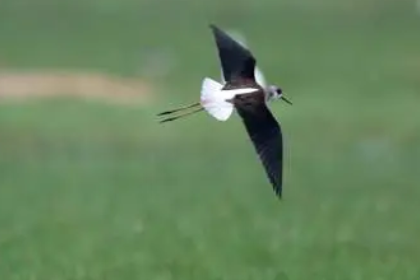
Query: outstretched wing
[
  {"x": 236, "y": 60},
  {"x": 259, "y": 76},
  {"x": 265, "y": 134}
]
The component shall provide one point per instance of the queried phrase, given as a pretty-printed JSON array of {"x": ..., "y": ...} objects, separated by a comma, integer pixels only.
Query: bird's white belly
[{"x": 214, "y": 99}]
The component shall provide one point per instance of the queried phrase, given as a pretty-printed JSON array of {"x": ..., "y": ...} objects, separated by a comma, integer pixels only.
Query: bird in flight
[{"x": 241, "y": 91}]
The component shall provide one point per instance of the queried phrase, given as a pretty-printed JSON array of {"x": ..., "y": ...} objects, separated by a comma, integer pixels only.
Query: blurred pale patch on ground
[{"x": 21, "y": 85}]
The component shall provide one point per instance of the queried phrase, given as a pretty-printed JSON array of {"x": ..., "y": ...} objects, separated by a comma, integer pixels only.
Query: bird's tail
[{"x": 213, "y": 100}]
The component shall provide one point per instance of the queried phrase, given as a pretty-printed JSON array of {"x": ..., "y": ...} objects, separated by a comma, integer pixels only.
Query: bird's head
[{"x": 274, "y": 92}]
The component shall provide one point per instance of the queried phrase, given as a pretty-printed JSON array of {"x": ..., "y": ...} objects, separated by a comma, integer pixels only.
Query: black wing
[
  {"x": 265, "y": 133},
  {"x": 236, "y": 61}
]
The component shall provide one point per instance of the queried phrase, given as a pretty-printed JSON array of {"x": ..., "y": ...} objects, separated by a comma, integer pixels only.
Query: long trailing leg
[
  {"x": 179, "y": 109},
  {"x": 199, "y": 106},
  {"x": 181, "y": 116}
]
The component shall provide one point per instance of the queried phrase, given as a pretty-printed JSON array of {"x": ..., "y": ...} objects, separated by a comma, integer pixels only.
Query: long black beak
[{"x": 286, "y": 100}]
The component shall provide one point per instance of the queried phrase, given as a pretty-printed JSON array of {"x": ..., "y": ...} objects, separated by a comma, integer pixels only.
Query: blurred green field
[{"x": 96, "y": 191}]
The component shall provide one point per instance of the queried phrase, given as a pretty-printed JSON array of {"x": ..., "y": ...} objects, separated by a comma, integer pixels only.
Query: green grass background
[{"x": 95, "y": 191}]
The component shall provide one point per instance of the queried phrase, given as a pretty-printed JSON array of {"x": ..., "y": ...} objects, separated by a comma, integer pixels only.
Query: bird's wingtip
[
  {"x": 214, "y": 27},
  {"x": 279, "y": 194}
]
